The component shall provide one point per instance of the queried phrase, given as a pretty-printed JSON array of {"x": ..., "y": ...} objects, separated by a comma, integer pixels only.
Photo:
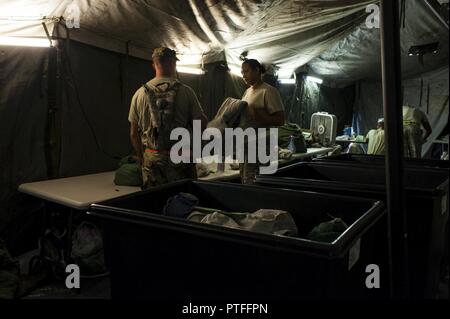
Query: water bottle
[
  {"x": 291, "y": 145},
  {"x": 348, "y": 131}
]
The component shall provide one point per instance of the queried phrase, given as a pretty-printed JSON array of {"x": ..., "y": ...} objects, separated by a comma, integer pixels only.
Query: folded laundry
[
  {"x": 180, "y": 205},
  {"x": 203, "y": 170},
  {"x": 270, "y": 221},
  {"x": 284, "y": 153},
  {"x": 234, "y": 166},
  {"x": 291, "y": 131},
  {"x": 228, "y": 114}
]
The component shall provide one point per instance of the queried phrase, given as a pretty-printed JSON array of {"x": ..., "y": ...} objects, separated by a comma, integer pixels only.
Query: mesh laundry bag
[{"x": 87, "y": 249}]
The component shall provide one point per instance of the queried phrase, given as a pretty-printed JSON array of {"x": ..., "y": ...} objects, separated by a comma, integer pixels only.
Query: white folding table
[
  {"x": 80, "y": 192},
  {"x": 77, "y": 193}
]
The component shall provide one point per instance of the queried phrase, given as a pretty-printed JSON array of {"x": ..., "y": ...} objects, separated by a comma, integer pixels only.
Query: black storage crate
[
  {"x": 380, "y": 160},
  {"x": 165, "y": 258},
  {"x": 426, "y": 207}
]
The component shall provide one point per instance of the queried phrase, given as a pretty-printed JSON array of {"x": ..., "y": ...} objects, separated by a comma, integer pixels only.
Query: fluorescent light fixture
[
  {"x": 285, "y": 73},
  {"x": 287, "y": 81},
  {"x": 185, "y": 69},
  {"x": 235, "y": 70},
  {"x": 25, "y": 42},
  {"x": 424, "y": 49},
  {"x": 314, "y": 79}
]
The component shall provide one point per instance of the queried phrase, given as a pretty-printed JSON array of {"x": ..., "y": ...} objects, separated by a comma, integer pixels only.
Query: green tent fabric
[
  {"x": 129, "y": 173},
  {"x": 288, "y": 129}
]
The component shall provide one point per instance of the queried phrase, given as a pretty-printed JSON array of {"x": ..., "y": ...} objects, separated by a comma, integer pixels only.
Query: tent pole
[
  {"x": 392, "y": 102},
  {"x": 51, "y": 131},
  {"x": 434, "y": 7}
]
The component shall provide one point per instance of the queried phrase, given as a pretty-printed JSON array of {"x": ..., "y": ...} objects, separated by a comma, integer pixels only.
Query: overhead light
[
  {"x": 285, "y": 73},
  {"x": 287, "y": 81},
  {"x": 235, "y": 70},
  {"x": 424, "y": 49},
  {"x": 185, "y": 69},
  {"x": 25, "y": 42},
  {"x": 314, "y": 79}
]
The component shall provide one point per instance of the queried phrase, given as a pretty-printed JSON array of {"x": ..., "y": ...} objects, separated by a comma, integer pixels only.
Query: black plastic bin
[
  {"x": 165, "y": 258},
  {"x": 380, "y": 160},
  {"x": 426, "y": 207}
]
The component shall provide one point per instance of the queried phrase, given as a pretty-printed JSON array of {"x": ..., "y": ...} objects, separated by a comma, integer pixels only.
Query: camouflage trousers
[
  {"x": 158, "y": 169},
  {"x": 412, "y": 141}
]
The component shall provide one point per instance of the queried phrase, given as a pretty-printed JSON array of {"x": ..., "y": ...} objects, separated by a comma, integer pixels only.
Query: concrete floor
[
  {"x": 47, "y": 287},
  {"x": 97, "y": 288}
]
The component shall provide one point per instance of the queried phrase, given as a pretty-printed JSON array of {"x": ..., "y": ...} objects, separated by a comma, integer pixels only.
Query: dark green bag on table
[
  {"x": 129, "y": 173},
  {"x": 288, "y": 129}
]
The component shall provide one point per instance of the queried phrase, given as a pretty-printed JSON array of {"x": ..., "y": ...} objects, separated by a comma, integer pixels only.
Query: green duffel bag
[
  {"x": 329, "y": 231},
  {"x": 129, "y": 173},
  {"x": 287, "y": 130}
]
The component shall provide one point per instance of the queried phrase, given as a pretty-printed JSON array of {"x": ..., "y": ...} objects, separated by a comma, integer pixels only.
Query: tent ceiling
[{"x": 329, "y": 36}]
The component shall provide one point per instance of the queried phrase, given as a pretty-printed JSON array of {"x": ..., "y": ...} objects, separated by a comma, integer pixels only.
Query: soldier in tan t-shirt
[
  {"x": 150, "y": 135},
  {"x": 375, "y": 139},
  {"x": 265, "y": 109},
  {"x": 413, "y": 136}
]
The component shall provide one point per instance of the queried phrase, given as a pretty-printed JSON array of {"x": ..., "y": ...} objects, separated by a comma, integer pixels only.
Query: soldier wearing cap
[
  {"x": 159, "y": 106},
  {"x": 375, "y": 139}
]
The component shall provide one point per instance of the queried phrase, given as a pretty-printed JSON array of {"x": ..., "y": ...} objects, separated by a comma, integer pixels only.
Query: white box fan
[{"x": 324, "y": 128}]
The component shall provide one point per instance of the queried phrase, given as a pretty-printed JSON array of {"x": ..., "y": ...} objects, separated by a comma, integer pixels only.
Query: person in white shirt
[{"x": 375, "y": 139}]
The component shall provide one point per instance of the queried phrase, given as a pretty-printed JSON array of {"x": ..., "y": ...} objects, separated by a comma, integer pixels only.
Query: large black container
[
  {"x": 165, "y": 258},
  {"x": 426, "y": 207},
  {"x": 380, "y": 160}
]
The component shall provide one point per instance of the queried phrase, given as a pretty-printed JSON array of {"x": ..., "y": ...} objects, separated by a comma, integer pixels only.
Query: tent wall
[
  {"x": 23, "y": 115},
  {"x": 214, "y": 86},
  {"x": 23, "y": 109},
  {"x": 308, "y": 97},
  {"x": 96, "y": 94},
  {"x": 368, "y": 106}
]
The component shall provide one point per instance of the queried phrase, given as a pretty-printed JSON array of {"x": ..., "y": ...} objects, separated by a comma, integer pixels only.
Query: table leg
[{"x": 69, "y": 237}]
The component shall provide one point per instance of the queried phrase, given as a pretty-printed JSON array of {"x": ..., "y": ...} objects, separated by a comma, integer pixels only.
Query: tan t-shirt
[
  {"x": 187, "y": 107},
  {"x": 413, "y": 115},
  {"x": 265, "y": 97},
  {"x": 376, "y": 142}
]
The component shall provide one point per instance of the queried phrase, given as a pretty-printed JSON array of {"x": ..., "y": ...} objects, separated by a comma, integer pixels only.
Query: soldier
[
  {"x": 375, "y": 139},
  {"x": 158, "y": 107},
  {"x": 265, "y": 109},
  {"x": 413, "y": 135}
]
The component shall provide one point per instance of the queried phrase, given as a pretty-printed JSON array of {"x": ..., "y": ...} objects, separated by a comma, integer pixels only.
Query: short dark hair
[{"x": 254, "y": 65}]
